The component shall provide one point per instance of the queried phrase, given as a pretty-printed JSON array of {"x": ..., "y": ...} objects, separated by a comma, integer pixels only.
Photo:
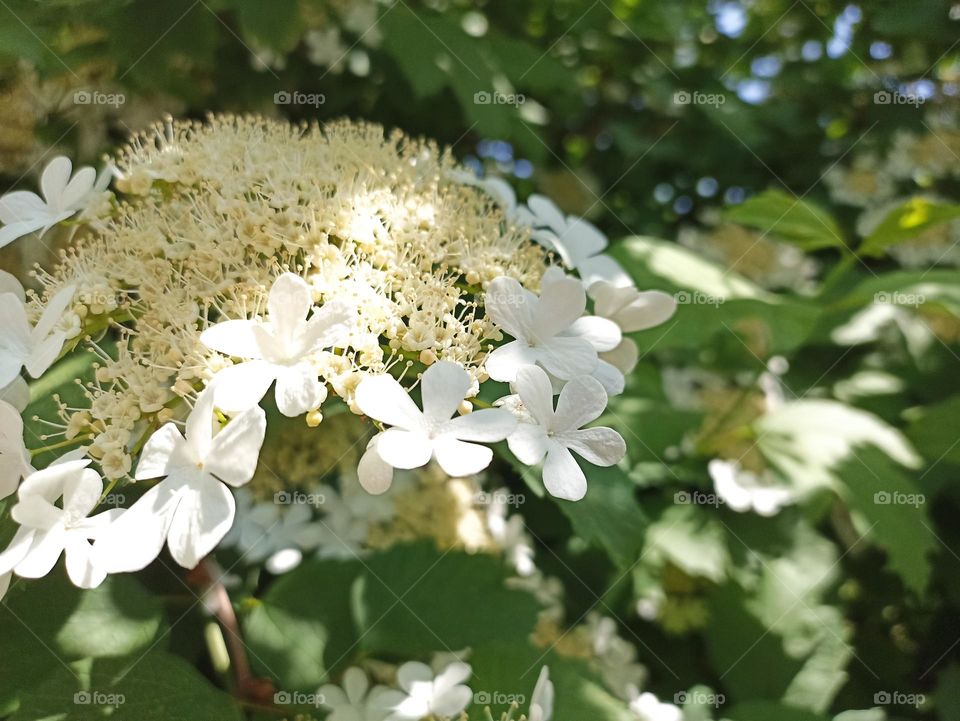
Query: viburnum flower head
[
  {"x": 32, "y": 347},
  {"x": 192, "y": 508},
  {"x": 552, "y": 433},
  {"x": 415, "y": 436},
  {"x": 277, "y": 349},
  {"x": 550, "y": 330},
  {"x": 47, "y": 531},
  {"x": 23, "y": 212}
]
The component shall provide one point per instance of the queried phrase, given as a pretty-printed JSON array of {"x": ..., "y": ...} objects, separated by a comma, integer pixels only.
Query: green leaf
[
  {"x": 906, "y": 222},
  {"x": 276, "y": 25},
  {"x": 690, "y": 538},
  {"x": 609, "y": 516},
  {"x": 934, "y": 431},
  {"x": 414, "y": 599},
  {"x": 153, "y": 687},
  {"x": 767, "y": 711},
  {"x": 895, "y": 512},
  {"x": 48, "y": 622},
  {"x": 947, "y": 693},
  {"x": 302, "y": 626},
  {"x": 790, "y": 218},
  {"x": 403, "y": 30}
]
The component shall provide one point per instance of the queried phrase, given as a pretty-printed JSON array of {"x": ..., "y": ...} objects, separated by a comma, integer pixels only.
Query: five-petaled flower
[
  {"x": 550, "y": 330},
  {"x": 23, "y": 212},
  {"x": 424, "y": 694},
  {"x": 278, "y": 350},
  {"x": 192, "y": 508},
  {"x": 46, "y": 530},
  {"x": 632, "y": 310},
  {"x": 556, "y": 432},
  {"x": 417, "y": 436}
]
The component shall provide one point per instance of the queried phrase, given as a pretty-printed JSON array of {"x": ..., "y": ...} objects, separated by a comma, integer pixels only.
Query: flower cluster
[{"x": 337, "y": 267}]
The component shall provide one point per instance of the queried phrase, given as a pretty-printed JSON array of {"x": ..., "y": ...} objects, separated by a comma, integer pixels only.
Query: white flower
[
  {"x": 278, "y": 350},
  {"x": 632, "y": 310},
  {"x": 743, "y": 490},
  {"x": 348, "y": 516},
  {"x": 425, "y": 695},
  {"x": 22, "y": 346},
  {"x": 417, "y": 436},
  {"x": 648, "y": 707},
  {"x": 273, "y": 533},
  {"x": 353, "y": 702},
  {"x": 548, "y": 330},
  {"x": 24, "y": 212},
  {"x": 14, "y": 456},
  {"x": 192, "y": 508},
  {"x": 541, "y": 702},
  {"x": 557, "y": 432},
  {"x": 374, "y": 473},
  {"x": 46, "y": 531},
  {"x": 578, "y": 243}
]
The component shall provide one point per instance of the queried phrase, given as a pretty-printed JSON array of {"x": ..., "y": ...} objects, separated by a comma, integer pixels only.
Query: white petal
[
  {"x": 546, "y": 212},
  {"x": 562, "y": 477},
  {"x": 16, "y": 394},
  {"x": 488, "y": 425},
  {"x": 567, "y": 357},
  {"x": 413, "y": 672},
  {"x": 43, "y": 554},
  {"x": 43, "y": 355},
  {"x": 529, "y": 443},
  {"x": 624, "y": 357},
  {"x": 560, "y": 304},
  {"x": 49, "y": 483},
  {"x": 78, "y": 189},
  {"x": 383, "y": 398},
  {"x": 22, "y": 206},
  {"x": 458, "y": 459},
  {"x": 355, "y": 683},
  {"x": 443, "y": 387},
  {"x": 82, "y": 491},
  {"x": 582, "y": 400},
  {"x": 135, "y": 539},
  {"x": 404, "y": 449},
  {"x": 200, "y": 522},
  {"x": 165, "y": 449},
  {"x": 235, "y": 450},
  {"x": 35, "y": 511},
  {"x": 603, "y": 267},
  {"x": 10, "y": 284},
  {"x": 601, "y": 333},
  {"x": 504, "y": 362},
  {"x": 81, "y": 569},
  {"x": 329, "y": 327},
  {"x": 600, "y": 446},
  {"x": 298, "y": 390},
  {"x": 510, "y": 306},
  {"x": 289, "y": 302},
  {"x": 241, "y": 387},
  {"x": 200, "y": 424},
  {"x": 237, "y": 338},
  {"x": 54, "y": 179},
  {"x": 374, "y": 474},
  {"x": 583, "y": 239},
  {"x": 536, "y": 392},
  {"x": 16, "y": 550},
  {"x": 610, "y": 377},
  {"x": 12, "y": 232}
]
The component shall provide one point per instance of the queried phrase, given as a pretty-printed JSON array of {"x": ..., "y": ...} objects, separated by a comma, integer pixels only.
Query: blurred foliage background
[{"x": 789, "y": 168}]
